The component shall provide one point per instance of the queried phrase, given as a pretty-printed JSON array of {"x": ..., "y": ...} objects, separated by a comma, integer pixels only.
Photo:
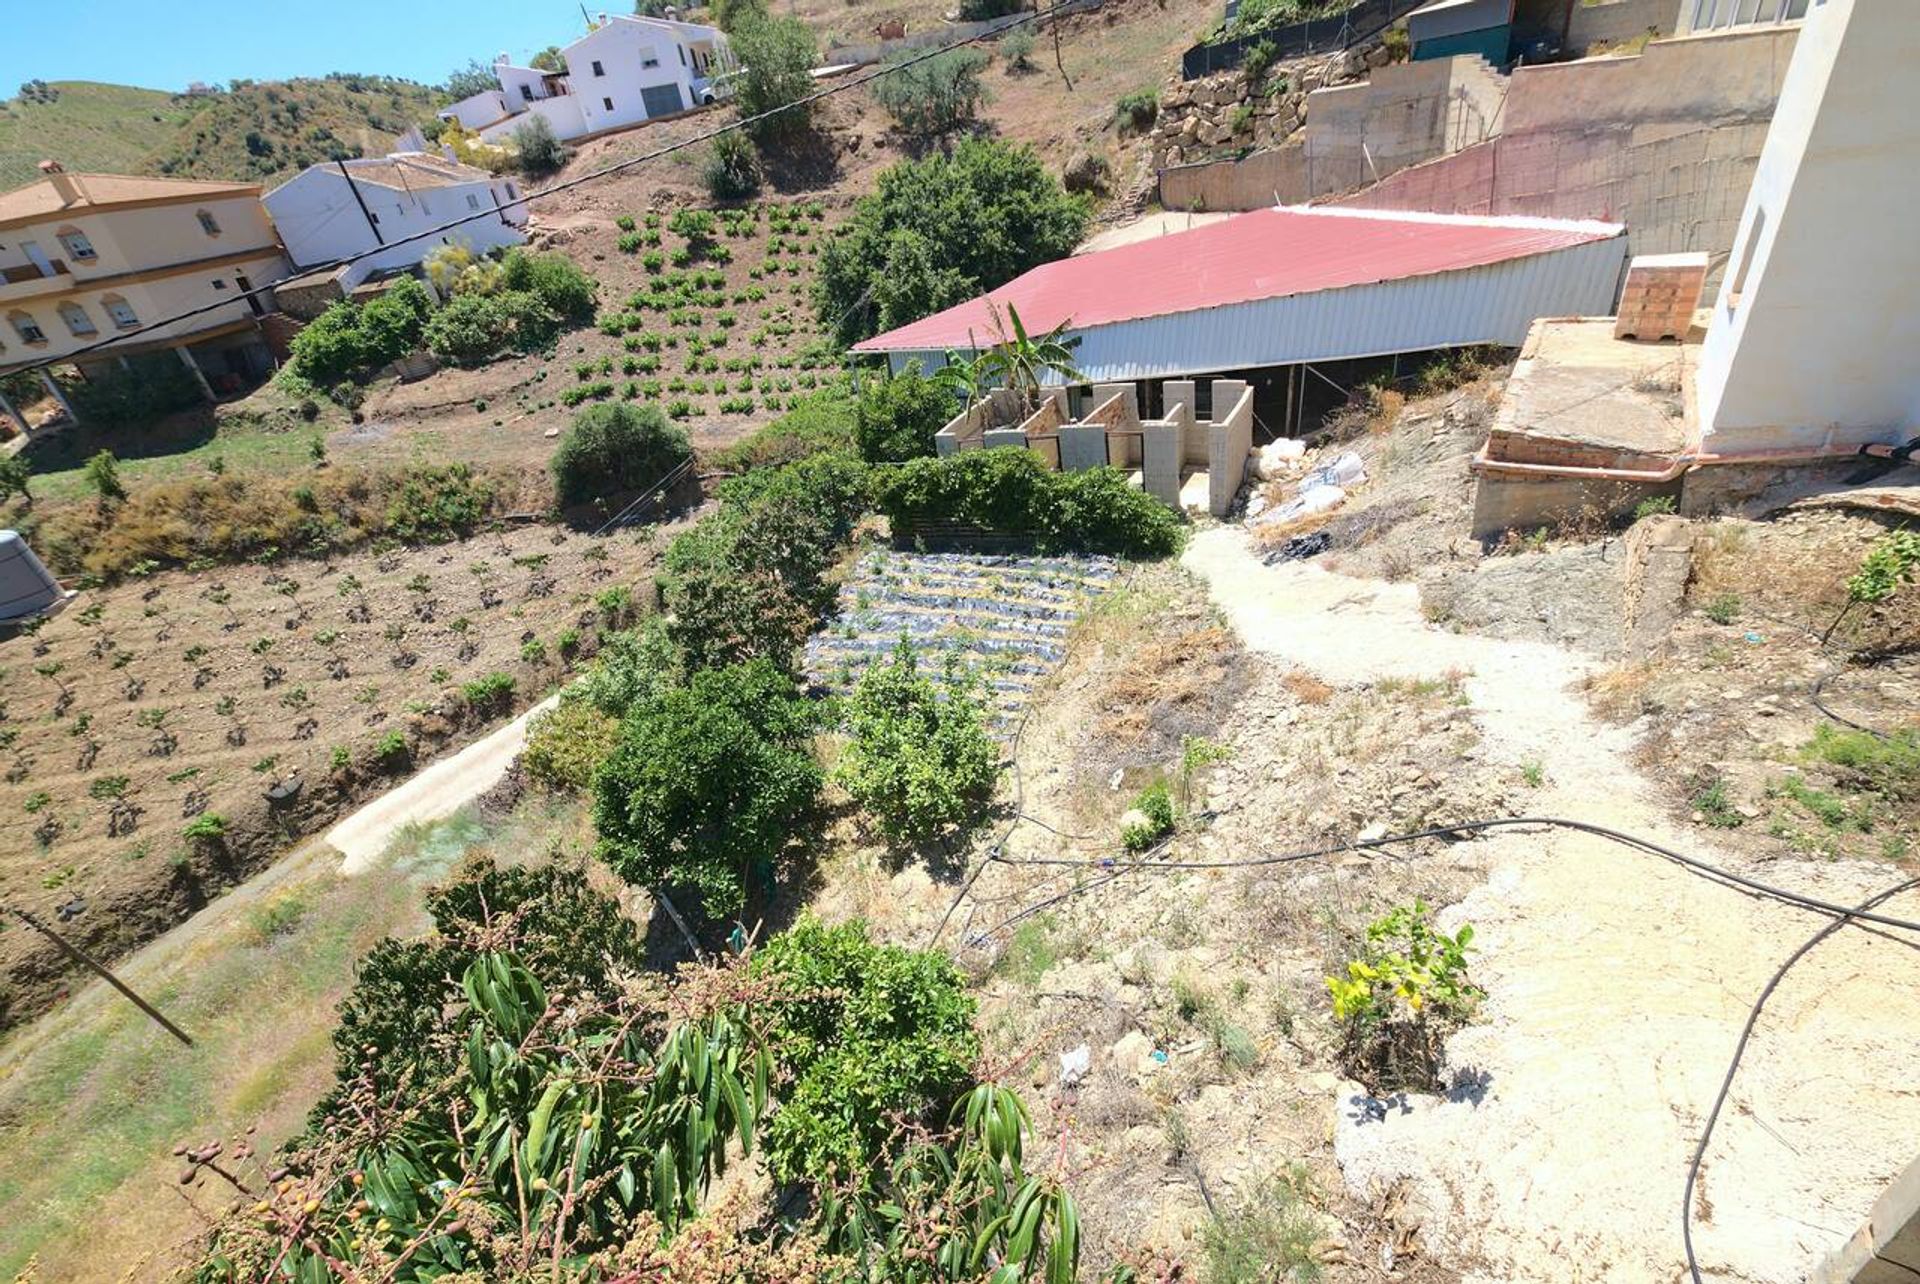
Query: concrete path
[
  {"x": 1617, "y": 984},
  {"x": 436, "y": 793}
]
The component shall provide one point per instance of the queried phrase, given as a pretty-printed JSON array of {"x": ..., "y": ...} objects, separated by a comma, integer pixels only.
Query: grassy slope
[
  {"x": 104, "y": 128},
  {"x": 262, "y": 132}
]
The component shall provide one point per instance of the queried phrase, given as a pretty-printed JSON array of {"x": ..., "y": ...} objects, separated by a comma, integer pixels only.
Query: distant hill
[
  {"x": 258, "y": 131},
  {"x": 88, "y": 126}
]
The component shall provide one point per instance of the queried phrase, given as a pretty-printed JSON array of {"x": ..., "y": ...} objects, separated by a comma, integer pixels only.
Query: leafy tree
[
  {"x": 919, "y": 757},
  {"x": 616, "y": 449},
  {"x": 351, "y": 340},
  {"x": 631, "y": 668},
  {"x": 15, "y": 477},
  {"x": 548, "y": 59},
  {"x": 540, "y": 150},
  {"x": 474, "y": 78},
  {"x": 776, "y": 56},
  {"x": 707, "y": 784},
  {"x": 872, "y": 1036},
  {"x": 940, "y": 230},
  {"x": 731, "y": 15},
  {"x": 566, "y": 745},
  {"x": 556, "y": 279},
  {"x": 934, "y": 95},
  {"x": 897, "y": 418}
]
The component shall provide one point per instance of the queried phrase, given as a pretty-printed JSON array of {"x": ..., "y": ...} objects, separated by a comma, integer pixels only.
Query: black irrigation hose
[
  {"x": 1698, "y": 866},
  {"x": 1820, "y": 685},
  {"x": 1739, "y": 1050}
]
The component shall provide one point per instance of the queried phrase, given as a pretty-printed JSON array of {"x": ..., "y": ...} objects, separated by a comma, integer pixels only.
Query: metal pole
[
  {"x": 81, "y": 956},
  {"x": 361, "y": 202}
]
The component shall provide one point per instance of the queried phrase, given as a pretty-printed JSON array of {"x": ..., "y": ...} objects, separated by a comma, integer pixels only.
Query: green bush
[
  {"x": 154, "y": 385},
  {"x": 823, "y": 421},
  {"x": 539, "y": 149},
  {"x": 918, "y": 756},
  {"x": 555, "y": 279},
  {"x": 1011, "y": 492},
  {"x": 929, "y": 96},
  {"x": 896, "y": 418},
  {"x": 631, "y": 668},
  {"x": 435, "y": 503},
  {"x": 732, "y": 171},
  {"x": 1137, "y": 111},
  {"x": 1399, "y": 999},
  {"x": 1155, "y": 804},
  {"x": 566, "y": 745},
  {"x": 489, "y": 694},
  {"x": 707, "y": 784},
  {"x": 351, "y": 340},
  {"x": 615, "y": 450},
  {"x": 870, "y": 1035},
  {"x": 941, "y": 230},
  {"x": 473, "y": 329},
  {"x": 777, "y": 56}
]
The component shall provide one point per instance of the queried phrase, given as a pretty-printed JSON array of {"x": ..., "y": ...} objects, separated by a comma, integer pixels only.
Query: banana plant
[{"x": 1022, "y": 363}]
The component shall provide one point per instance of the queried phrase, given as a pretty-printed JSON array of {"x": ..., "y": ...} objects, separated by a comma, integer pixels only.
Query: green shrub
[
  {"x": 1258, "y": 59},
  {"x": 824, "y": 421},
  {"x": 707, "y": 784},
  {"x": 1137, "y": 111},
  {"x": 1723, "y": 608},
  {"x": 391, "y": 750},
  {"x": 896, "y": 418},
  {"x": 870, "y": 1034},
  {"x": 566, "y": 745},
  {"x": 732, "y": 171},
  {"x": 918, "y": 757},
  {"x": 930, "y": 96},
  {"x": 153, "y": 385},
  {"x": 102, "y": 471},
  {"x": 940, "y": 230},
  {"x": 1017, "y": 48},
  {"x": 538, "y": 148},
  {"x": 351, "y": 340},
  {"x": 435, "y": 503},
  {"x": 1155, "y": 805},
  {"x": 1652, "y": 506},
  {"x": 615, "y": 450},
  {"x": 1399, "y": 997},
  {"x": 489, "y": 694},
  {"x": 1011, "y": 492},
  {"x": 630, "y": 669},
  {"x": 209, "y": 828},
  {"x": 473, "y": 329},
  {"x": 556, "y": 280}
]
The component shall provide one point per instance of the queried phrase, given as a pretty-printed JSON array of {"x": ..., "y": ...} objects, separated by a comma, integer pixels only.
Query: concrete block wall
[{"x": 1229, "y": 439}]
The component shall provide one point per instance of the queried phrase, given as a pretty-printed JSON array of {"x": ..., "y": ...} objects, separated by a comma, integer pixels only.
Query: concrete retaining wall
[{"x": 1616, "y": 21}]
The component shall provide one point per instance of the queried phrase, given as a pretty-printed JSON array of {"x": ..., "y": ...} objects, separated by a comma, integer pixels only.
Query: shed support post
[
  {"x": 8, "y": 409},
  {"x": 199, "y": 375},
  {"x": 55, "y": 391}
]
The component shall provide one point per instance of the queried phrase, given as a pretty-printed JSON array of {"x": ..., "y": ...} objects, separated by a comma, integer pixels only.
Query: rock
[
  {"x": 1086, "y": 172},
  {"x": 1378, "y": 56},
  {"x": 1378, "y": 829},
  {"x": 551, "y": 432},
  {"x": 1133, "y": 1054}
]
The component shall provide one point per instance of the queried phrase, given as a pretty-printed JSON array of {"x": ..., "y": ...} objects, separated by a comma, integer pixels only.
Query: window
[
  {"x": 77, "y": 245},
  {"x": 117, "y": 308},
  {"x": 1737, "y": 283},
  {"x": 682, "y": 51},
  {"x": 648, "y": 58},
  {"x": 526, "y": 91},
  {"x": 78, "y": 322},
  {"x": 512, "y": 191},
  {"x": 208, "y": 224},
  {"x": 473, "y": 202},
  {"x": 27, "y": 328},
  {"x": 218, "y": 284},
  {"x": 598, "y": 70},
  {"x": 607, "y": 103}
]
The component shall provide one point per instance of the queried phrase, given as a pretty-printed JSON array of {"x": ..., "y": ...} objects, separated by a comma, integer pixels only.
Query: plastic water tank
[{"x": 27, "y": 587}]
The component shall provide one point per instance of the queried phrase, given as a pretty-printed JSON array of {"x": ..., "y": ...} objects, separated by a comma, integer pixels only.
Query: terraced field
[{"x": 1004, "y": 617}]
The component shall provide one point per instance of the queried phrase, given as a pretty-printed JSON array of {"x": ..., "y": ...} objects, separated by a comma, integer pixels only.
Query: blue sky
[{"x": 165, "y": 44}]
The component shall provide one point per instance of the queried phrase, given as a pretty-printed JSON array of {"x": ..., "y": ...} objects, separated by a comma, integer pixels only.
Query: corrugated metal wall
[{"x": 1493, "y": 304}]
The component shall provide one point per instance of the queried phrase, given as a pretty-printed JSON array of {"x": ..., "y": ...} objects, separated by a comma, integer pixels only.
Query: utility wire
[
  {"x": 605, "y": 171},
  {"x": 1739, "y": 1050}
]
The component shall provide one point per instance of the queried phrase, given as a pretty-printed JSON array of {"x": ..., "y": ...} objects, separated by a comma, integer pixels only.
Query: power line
[{"x": 605, "y": 171}]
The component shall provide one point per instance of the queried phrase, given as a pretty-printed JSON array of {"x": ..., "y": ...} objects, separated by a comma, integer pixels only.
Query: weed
[
  {"x": 1829, "y": 809},
  {"x": 1534, "y": 774},
  {"x": 1887, "y": 764},
  {"x": 281, "y": 913},
  {"x": 1031, "y": 951},
  {"x": 1723, "y": 608},
  {"x": 1268, "y": 1237},
  {"x": 1652, "y": 506},
  {"x": 1710, "y": 801}
]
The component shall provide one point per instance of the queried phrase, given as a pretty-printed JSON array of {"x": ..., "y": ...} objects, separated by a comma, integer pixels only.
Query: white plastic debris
[
  {"x": 1074, "y": 1065},
  {"x": 1316, "y": 499},
  {"x": 1345, "y": 470},
  {"x": 1278, "y": 459}
]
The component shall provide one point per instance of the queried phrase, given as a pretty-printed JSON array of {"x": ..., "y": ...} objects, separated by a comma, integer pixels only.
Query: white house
[
  {"x": 625, "y": 71},
  {"x": 1813, "y": 337},
  {"x": 332, "y": 210}
]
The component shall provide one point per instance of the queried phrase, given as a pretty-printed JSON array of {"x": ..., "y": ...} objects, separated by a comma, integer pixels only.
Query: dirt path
[
  {"x": 433, "y": 794},
  {"x": 1618, "y": 984}
]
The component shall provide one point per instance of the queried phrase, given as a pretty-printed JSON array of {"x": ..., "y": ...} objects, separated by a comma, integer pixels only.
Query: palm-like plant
[{"x": 1022, "y": 363}]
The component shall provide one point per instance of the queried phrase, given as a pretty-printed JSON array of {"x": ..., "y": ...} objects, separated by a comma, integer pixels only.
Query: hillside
[
  {"x": 89, "y": 126},
  {"x": 260, "y": 130},
  {"x": 265, "y": 130}
]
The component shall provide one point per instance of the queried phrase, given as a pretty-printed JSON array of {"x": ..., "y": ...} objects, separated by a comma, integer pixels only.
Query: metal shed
[{"x": 1292, "y": 285}]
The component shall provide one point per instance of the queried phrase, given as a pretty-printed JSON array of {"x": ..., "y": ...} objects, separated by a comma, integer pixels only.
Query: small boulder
[{"x": 1087, "y": 172}]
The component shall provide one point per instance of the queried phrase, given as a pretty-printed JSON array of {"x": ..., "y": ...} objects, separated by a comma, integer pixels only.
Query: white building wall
[
  {"x": 320, "y": 221},
  {"x": 521, "y": 85},
  {"x": 1816, "y": 330},
  {"x": 479, "y": 110},
  {"x": 623, "y": 48},
  {"x": 562, "y": 112}
]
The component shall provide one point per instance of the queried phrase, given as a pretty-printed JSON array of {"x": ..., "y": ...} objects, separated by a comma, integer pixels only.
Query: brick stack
[{"x": 1660, "y": 297}]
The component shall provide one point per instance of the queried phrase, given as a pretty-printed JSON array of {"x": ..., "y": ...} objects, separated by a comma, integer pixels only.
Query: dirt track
[{"x": 1618, "y": 984}]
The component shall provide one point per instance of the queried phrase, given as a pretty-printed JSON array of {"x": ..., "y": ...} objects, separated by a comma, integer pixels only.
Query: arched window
[
  {"x": 120, "y": 311},
  {"x": 208, "y": 223},
  {"x": 78, "y": 322},
  {"x": 26, "y": 327},
  {"x": 78, "y": 247}
]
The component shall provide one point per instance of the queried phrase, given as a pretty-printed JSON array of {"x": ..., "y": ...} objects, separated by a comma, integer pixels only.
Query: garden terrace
[{"x": 1006, "y": 618}]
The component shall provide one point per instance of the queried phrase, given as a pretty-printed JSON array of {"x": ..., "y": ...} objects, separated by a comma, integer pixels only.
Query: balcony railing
[{"x": 31, "y": 272}]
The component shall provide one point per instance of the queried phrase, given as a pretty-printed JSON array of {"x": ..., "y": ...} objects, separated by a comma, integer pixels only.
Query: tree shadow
[
  {"x": 68, "y": 448},
  {"x": 804, "y": 160}
]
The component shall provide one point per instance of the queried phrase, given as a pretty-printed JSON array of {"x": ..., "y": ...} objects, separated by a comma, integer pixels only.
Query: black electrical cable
[
  {"x": 1739, "y": 1050},
  {"x": 1477, "y": 826},
  {"x": 839, "y": 86}
]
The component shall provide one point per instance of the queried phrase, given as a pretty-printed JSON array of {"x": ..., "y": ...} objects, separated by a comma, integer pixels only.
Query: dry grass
[
  {"x": 1620, "y": 694},
  {"x": 1177, "y": 673},
  {"x": 1306, "y": 688}
]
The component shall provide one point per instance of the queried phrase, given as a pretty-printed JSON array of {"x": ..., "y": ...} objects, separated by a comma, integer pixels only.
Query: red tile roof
[{"x": 1264, "y": 254}]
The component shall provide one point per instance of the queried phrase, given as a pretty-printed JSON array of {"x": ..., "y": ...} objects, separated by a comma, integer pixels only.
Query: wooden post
[{"x": 81, "y": 956}]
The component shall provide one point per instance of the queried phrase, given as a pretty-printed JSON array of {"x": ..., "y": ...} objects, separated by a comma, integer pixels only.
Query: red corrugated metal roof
[{"x": 1264, "y": 254}]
